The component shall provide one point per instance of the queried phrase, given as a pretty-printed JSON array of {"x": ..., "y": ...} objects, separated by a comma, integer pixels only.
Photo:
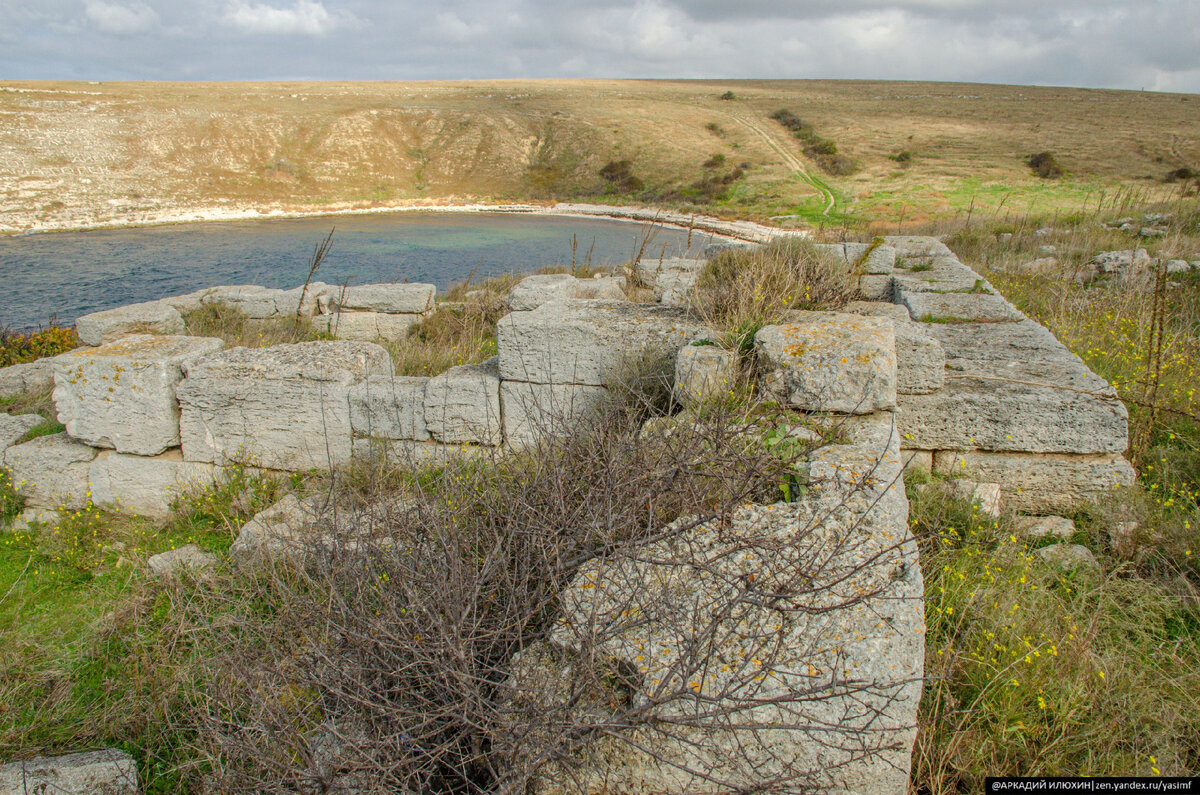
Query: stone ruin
[{"x": 934, "y": 370}]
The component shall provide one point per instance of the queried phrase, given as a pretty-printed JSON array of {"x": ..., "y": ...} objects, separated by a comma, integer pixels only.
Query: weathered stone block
[
  {"x": 1046, "y": 527},
  {"x": 869, "y": 258},
  {"x": 917, "y": 460},
  {"x": 918, "y": 246},
  {"x": 704, "y": 371},
  {"x": 920, "y": 360},
  {"x": 186, "y": 558},
  {"x": 263, "y": 303},
  {"x": 106, "y": 772},
  {"x": 1041, "y": 484},
  {"x": 389, "y": 407},
  {"x": 672, "y": 278},
  {"x": 17, "y": 379},
  {"x": 151, "y": 317},
  {"x": 960, "y": 308},
  {"x": 365, "y": 326},
  {"x": 828, "y": 361},
  {"x": 1069, "y": 556},
  {"x": 462, "y": 405},
  {"x": 283, "y": 407},
  {"x": 592, "y": 342},
  {"x": 536, "y": 411},
  {"x": 876, "y": 288},
  {"x": 413, "y": 455},
  {"x": 51, "y": 471},
  {"x": 984, "y": 496},
  {"x": 122, "y": 394},
  {"x": 13, "y": 428},
  {"x": 145, "y": 485},
  {"x": 646, "y": 610},
  {"x": 533, "y": 291},
  {"x": 1005, "y": 416},
  {"x": 392, "y": 299}
]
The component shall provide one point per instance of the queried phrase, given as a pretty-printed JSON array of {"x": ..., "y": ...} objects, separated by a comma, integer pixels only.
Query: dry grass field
[{"x": 81, "y": 154}]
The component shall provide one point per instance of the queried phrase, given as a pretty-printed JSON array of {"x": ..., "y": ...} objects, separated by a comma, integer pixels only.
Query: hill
[{"x": 81, "y": 154}]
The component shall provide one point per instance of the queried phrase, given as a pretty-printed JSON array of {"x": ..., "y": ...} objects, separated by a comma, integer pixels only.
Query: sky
[{"x": 1133, "y": 44}]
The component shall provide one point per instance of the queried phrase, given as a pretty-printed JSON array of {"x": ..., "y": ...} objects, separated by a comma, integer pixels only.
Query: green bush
[
  {"x": 18, "y": 348},
  {"x": 1045, "y": 165}
]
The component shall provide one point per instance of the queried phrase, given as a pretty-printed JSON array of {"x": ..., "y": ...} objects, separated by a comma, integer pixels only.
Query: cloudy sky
[{"x": 1151, "y": 44}]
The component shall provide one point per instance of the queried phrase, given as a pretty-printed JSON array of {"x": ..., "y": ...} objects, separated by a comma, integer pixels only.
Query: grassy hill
[{"x": 77, "y": 154}]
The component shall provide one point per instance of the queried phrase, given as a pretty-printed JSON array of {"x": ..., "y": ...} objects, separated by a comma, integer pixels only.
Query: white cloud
[
  {"x": 307, "y": 17},
  {"x": 123, "y": 20}
]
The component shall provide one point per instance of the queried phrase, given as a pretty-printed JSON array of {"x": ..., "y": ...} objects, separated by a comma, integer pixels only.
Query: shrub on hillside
[
  {"x": 620, "y": 174},
  {"x": 1045, "y": 165}
]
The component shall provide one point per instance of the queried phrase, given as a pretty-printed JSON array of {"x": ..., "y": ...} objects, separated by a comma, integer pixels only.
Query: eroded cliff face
[{"x": 78, "y": 155}]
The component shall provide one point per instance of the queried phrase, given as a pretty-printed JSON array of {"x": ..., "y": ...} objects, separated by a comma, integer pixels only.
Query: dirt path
[{"x": 790, "y": 159}]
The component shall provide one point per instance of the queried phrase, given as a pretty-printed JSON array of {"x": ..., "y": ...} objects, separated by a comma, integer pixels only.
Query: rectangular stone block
[
  {"x": 829, "y": 361},
  {"x": 462, "y": 405},
  {"x": 365, "y": 326},
  {"x": 19, "y": 379},
  {"x": 392, "y": 299},
  {"x": 284, "y": 407},
  {"x": 598, "y": 343},
  {"x": 918, "y": 246},
  {"x": 13, "y": 427},
  {"x": 970, "y": 413},
  {"x": 542, "y": 288},
  {"x": 936, "y": 276},
  {"x": 389, "y": 407},
  {"x": 704, "y": 371},
  {"x": 871, "y": 259},
  {"x": 1041, "y": 484},
  {"x": 920, "y": 360},
  {"x": 261, "y": 303},
  {"x": 151, "y": 317},
  {"x": 121, "y": 395},
  {"x": 672, "y": 278},
  {"x": 960, "y": 308},
  {"x": 145, "y": 485},
  {"x": 876, "y": 288},
  {"x": 414, "y": 456},
  {"x": 917, "y": 460},
  {"x": 51, "y": 471},
  {"x": 104, "y": 772},
  {"x": 537, "y": 411}
]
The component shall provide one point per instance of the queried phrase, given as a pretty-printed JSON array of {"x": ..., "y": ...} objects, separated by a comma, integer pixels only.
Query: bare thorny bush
[{"x": 383, "y": 658}]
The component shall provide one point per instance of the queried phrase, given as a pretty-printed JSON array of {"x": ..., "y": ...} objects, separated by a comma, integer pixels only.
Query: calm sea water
[{"x": 63, "y": 275}]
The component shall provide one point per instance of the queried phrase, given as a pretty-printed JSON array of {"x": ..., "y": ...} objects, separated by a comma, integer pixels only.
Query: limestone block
[
  {"x": 392, "y": 299},
  {"x": 828, "y": 361},
  {"x": 106, "y": 772},
  {"x": 970, "y": 413},
  {"x": 151, "y": 317},
  {"x": 412, "y": 455},
  {"x": 939, "y": 275},
  {"x": 186, "y": 558},
  {"x": 704, "y": 371},
  {"x": 278, "y": 528},
  {"x": 984, "y": 496},
  {"x": 189, "y": 302},
  {"x": 533, "y": 291},
  {"x": 462, "y": 405},
  {"x": 917, "y": 460},
  {"x": 960, "y": 308},
  {"x": 283, "y": 407},
  {"x": 122, "y": 394},
  {"x": 672, "y": 278},
  {"x": 389, "y": 407},
  {"x": 870, "y": 259},
  {"x": 599, "y": 343},
  {"x": 263, "y": 303},
  {"x": 365, "y": 326},
  {"x": 1046, "y": 527},
  {"x": 918, "y": 246},
  {"x": 876, "y": 288},
  {"x": 13, "y": 428},
  {"x": 920, "y": 360},
  {"x": 536, "y": 411},
  {"x": 787, "y": 666},
  {"x": 1069, "y": 556},
  {"x": 17, "y": 379},
  {"x": 1041, "y": 484},
  {"x": 51, "y": 471},
  {"x": 145, "y": 485}
]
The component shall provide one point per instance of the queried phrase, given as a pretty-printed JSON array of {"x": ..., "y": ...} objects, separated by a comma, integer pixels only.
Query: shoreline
[{"x": 748, "y": 231}]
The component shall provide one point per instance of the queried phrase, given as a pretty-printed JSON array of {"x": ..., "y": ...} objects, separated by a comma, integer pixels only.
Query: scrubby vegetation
[
  {"x": 19, "y": 348},
  {"x": 822, "y": 150},
  {"x": 741, "y": 291},
  {"x": 1045, "y": 165}
]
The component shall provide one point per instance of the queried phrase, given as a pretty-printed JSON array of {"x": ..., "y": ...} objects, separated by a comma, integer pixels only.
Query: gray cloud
[{"x": 1153, "y": 44}]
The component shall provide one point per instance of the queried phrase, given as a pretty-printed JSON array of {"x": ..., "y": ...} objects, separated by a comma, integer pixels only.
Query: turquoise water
[{"x": 63, "y": 275}]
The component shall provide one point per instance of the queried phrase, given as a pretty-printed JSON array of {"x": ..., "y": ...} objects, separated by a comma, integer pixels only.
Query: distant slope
[{"x": 81, "y": 154}]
